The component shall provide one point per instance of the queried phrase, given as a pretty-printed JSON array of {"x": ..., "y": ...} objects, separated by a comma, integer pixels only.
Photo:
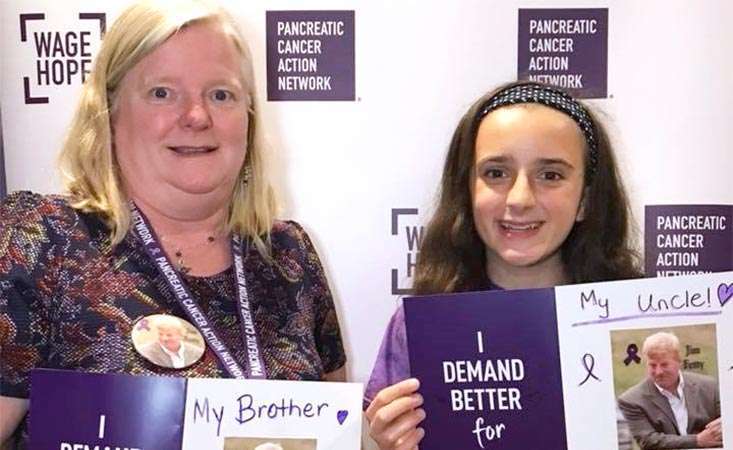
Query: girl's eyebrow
[
  {"x": 496, "y": 159},
  {"x": 501, "y": 159},
  {"x": 550, "y": 161}
]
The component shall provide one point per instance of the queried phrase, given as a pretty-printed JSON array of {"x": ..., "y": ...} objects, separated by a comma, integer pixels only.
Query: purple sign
[
  {"x": 72, "y": 410},
  {"x": 310, "y": 55},
  {"x": 489, "y": 369},
  {"x": 567, "y": 48},
  {"x": 687, "y": 239}
]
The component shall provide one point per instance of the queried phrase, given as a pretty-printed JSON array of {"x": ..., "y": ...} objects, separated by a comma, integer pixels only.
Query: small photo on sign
[
  {"x": 167, "y": 341},
  {"x": 265, "y": 443},
  {"x": 666, "y": 386}
]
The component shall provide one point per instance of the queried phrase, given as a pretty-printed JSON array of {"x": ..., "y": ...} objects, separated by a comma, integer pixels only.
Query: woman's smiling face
[{"x": 180, "y": 121}]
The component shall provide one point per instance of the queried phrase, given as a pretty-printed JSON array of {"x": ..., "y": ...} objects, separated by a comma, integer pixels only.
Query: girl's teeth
[{"x": 520, "y": 227}]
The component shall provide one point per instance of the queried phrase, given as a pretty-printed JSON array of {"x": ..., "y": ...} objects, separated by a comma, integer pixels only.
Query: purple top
[{"x": 393, "y": 363}]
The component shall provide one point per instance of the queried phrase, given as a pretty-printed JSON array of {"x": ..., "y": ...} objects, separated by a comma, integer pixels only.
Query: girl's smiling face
[{"x": 527, "y": 185}]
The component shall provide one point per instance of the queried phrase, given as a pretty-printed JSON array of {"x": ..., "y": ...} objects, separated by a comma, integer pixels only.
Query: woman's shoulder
[
  {"x": 35, "y": 231},
  {"x": 287, "y": 228},
  {"x": 289, "y": 234},
  {"x": 292, "y": 248},
  {"x": 27, "y": 208}
]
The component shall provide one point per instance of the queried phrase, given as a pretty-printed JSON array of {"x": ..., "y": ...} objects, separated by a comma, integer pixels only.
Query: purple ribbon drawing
[
  {"x": 589, "y": 362},
  {"x": 631, "y": 352}
]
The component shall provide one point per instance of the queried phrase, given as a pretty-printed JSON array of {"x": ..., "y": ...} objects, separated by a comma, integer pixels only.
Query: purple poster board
[
  {"x": 565, "y": 47},
  {"x": 69, "y": 409},
  {"x": 310, "y": 55},
  {"x": 687, "y": 239},
  {"x": 489, "y": 368}
]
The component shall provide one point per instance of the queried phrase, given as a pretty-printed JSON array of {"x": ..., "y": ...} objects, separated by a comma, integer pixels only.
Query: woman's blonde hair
[{"x": 88, "y": 164}]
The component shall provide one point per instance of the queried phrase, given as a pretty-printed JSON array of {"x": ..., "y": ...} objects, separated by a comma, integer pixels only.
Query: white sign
[{"x": 248, "y": 415}]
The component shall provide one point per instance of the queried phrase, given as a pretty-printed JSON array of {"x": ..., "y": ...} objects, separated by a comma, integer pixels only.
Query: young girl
[{"x": 530, "y": 198}]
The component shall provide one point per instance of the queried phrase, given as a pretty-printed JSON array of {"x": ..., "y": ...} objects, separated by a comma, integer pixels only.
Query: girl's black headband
[{"x": 554, "y": 98}]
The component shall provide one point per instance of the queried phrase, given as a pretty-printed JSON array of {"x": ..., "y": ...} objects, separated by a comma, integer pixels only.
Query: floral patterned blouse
[{"x": 68, "y": 300}]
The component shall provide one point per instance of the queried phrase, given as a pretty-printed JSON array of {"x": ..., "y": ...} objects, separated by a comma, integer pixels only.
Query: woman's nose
[{"x": 196, "y": 115}]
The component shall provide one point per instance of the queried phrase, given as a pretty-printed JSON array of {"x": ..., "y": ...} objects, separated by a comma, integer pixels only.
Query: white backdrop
[{"x": 343, "y": 166}]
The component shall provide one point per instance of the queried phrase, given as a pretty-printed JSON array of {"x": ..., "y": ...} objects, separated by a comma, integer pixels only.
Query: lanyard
[{"x": 179, "y": 288}]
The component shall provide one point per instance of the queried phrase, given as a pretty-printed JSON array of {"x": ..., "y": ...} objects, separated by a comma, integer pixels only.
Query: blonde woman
[{"x": 166, "y": 194}]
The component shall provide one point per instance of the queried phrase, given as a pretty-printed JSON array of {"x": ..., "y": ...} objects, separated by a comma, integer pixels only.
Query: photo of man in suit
[
  {"x": 170, "y": 350},
  {"x": 671, "y": 408}
]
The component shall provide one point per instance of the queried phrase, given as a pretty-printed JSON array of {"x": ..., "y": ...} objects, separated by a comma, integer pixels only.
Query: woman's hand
[
  {"x": 12, "y": 411},
  {"x": 394, "y": 415}
]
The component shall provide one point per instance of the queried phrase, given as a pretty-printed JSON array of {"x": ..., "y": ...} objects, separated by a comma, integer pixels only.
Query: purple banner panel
[
  {"x": 310, "y": 55},
  {"x": 76, "y": 411},
  {"x": 489, "y": 369},
  {"x": 566, "y": 48},
  {"x": 687, "y": 239}
]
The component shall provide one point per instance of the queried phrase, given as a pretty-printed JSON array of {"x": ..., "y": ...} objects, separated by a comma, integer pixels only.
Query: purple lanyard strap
[{"x": 256, "y": 365}]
